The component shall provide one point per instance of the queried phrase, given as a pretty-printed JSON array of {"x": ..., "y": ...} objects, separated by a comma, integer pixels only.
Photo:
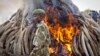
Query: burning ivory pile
[
  {"x": 14, "y": 38},
  {"x": 16, "y": 35},
  {"x": 87, "y": 43}
]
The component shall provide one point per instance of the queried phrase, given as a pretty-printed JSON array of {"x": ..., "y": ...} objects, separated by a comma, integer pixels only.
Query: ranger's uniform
[
  {"x": 41, "y": 35},
  {"x": 41, "y": 40}
]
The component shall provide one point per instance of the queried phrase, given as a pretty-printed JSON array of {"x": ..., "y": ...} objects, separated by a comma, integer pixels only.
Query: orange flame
[
  {"x": 51, "y": 50},
  {"x": 63, "y": 34}
]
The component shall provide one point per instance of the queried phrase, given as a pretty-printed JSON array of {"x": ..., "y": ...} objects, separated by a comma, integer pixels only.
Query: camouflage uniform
[{"x": 41, "y": 40}]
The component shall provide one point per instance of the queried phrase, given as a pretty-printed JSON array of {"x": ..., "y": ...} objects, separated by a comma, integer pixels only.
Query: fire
[
  {"x": 62, "y": 34},
  {"x": 51, "y": 50}
]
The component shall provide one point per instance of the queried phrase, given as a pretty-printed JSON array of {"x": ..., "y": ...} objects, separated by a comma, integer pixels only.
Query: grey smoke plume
[{"x": 7, "y": 8}]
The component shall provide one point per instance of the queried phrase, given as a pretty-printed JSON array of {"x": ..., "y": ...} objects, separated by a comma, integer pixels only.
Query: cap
[{"x": 38, "y": 11}]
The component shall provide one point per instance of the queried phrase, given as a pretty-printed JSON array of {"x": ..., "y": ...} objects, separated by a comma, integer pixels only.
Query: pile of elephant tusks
[{"x": 87, "y": 43}]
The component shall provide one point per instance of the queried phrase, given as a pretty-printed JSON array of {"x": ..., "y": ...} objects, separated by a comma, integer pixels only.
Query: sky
[
  {"x": 87, "y": 4},
  {"x": 8, "y": 7}
]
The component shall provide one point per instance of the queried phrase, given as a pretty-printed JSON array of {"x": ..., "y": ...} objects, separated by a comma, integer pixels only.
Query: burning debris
[
  {"x": 63, "y": 27},
  {"x": 62, "y": 35},
  {"x": 71, "y": 34}
]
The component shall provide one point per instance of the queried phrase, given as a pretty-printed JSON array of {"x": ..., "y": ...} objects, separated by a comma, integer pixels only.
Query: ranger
[{"x": 41, "y": 39}]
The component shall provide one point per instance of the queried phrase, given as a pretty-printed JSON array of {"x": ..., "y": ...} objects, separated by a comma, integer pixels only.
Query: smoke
[{"x": 7, "y": 8}]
